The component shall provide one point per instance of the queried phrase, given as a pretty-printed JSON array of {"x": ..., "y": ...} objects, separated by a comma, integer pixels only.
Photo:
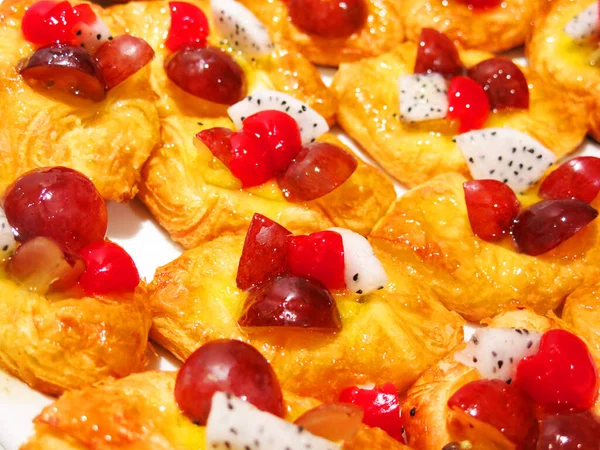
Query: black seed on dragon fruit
[
  {"x": 584, "y": 25},
  {"x": 92, "y": 36},
  {"x": 7, "y": 239},
  {"x": 423, "y": 97}
]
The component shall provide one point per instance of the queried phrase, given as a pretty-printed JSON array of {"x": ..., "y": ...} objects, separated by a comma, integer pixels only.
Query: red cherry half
[
  {"x": 547, "y": 224},
  {"x": 437, "y": 53},
  {"x": 189, "y": 26},
  {"x": 492, "y": 207},
  {"x": 265, "y": 253},
  {"x": 291, "y": 302},
  {"x": 503, "y": 81},
  {"x": 577, "y": 178},
  {"x": 328, "y": 18},
  {"x": 108, "y": 269},
  {"x": 227, "y": 366},
  {"x": 250, "y": 160},
  {"x": 381, "y": 406},
  {"x": 468, "y": 103},
  {"x": 562, "y": 376},
  {"x": 122, "y": 57},
  {"x": 319, "y": 256},
  {"x": 48, "y": 22}
]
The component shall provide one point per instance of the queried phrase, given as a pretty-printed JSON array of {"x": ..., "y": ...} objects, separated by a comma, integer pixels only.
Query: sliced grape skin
[
  {"x": 503, "y": 81},
  {"x": 328, "y": 18},
  {"x": 577, "y": 178},
  {"x": 122, "y": 57},
  {"x": 437, "y": 53},
  {"x": 569, "y": 432},
  {"x": 332, "y": 421}
]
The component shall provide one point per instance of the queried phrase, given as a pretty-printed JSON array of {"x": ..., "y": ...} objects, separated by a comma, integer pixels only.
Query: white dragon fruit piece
[
  {"x": 496, "y": 352},
  {"x": 363, "y": 272},
  {"x": 234, "y": 424},
  {"x": 584, "y": 25},
  {"x": 92, "y": 36},
  {"x": 311, "y": 123},
  {"x": 423, "y": 97},
  {"x": 506, "y": 155},
  {"x": 241, "y": 28},
  {"x": 7, "y": 239}
]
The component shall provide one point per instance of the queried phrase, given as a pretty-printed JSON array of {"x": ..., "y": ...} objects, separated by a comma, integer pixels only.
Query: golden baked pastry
[
  {"x": 428, "y": 230},
  {"x": 494, "y": 30},
  {"x": 60, "y": 342},
  {"x": 415, "y": 152},
  {"x": 139, "y": 412},
  {"x": 108, "y": 141},
  {"x": 382, "y": 31},
  {"x": 582, "y": 312},
  {"x": 391, "y": 335},
  {"x": 562, "y": 62}
]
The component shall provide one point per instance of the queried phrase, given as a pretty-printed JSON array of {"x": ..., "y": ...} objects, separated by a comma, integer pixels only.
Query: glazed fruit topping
[
  {"x": 58, "y": 203},
  {"x": 481, "y": 4},
  {"x": 328, "y": 18},
  {"x": 494, "y": 412},
  {"x": 577, "y": 431},
  {"x": 503, "y": 81},
  {"x": 467, "y": 103},
  {"x": 562, "y": 376},
  {"x": 576, "y": 178},
  {"x": 108, "y": 269},
  {"x": 437, "y": 53},
  {"x": 265, "y": 253},
  {"x": 318, "y": 256},
  {"x": 208, "y": 73},
  {"x": 218, "y": 141},
  {"x": 121, "y": 57},
  {"x": 545, "y": 225},
  {"x": 332, "y": 421},
  {"x": 381, "y": 407},
  {"x": 189, "y": 26},
  {"x": 250, "y": 160},
  {"x": 64, "y": 68},
  {"x": 227, "y": 366},
  {"x": 492, "y": 208},
  {"x": 291, "y": 302}
]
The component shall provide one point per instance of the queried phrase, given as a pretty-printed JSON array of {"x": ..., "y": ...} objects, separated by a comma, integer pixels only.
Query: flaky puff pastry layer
[
  {"x": 428, "y": 230},
  {"x": 425, "y": 410},
  {"x": 108, "y": 141},
  {"x": 59, "y": 343},
  {"x": 196, "y": 198},
  {"x": 415, "y": 152},
  {"x": 139, "y": 412},
  {"x": 381, "y": 32},
  {"x": 582, "y": 312},
  {"x": 560, "y": 61},
  {"x": 389, "y": 336},
  {"x": 494, "y": 30}
]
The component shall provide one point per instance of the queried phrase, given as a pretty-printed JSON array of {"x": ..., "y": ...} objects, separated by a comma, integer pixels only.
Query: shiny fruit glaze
[
  {"x": 317, "y": 170},
  {"x": 332, "y": 421},
  {"x": 64, "y": 68},
  {"x": 503, "y": 81},
  {"x": 381, "y": 407},
  {"x": 108, "y": 269},
  {"x": 291, "y": 302},
  {"x": 218, "y": 141},
  {"x": 492, "y": 207},
  {"x": 208, "y": 73},
  {"x": 437, "y": 53},
  {"x": 265, "y": 253},
  {"x": 481, "y": 4},
  {"x": 318, "y": 256},
  {"x": 545, "y": 225},
  {"x": 250, "y": 160},
  {"x": 577, "y": 178},
  {"x": 467, "y": 103},
  {"x": 497, "y": 404},
  {"x": 227, "y": 366},
  {"x": 279, "y": 132},
  {"x": 122, "y": 57},
  {"x": 59, "y": 203},
  {"x": 579, "y": 431},
  {"x": 328, "y": 18},
  {"x": 562, "y": 376},
  {"x": 41, "y": 265},
  {"x": 189, "y": 26}
]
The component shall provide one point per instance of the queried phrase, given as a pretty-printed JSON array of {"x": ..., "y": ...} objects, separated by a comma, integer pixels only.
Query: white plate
[{"x": 131, "y": 226}]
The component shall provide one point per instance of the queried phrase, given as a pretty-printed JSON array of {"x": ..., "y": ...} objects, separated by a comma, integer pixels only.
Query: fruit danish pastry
[
  {"x": 324, "y": 309},
  {"x": 490, "y": 25},
  {"x": 68, "y": 314},
  {"x": 74, "y": 92},
  {"x": 563, "y": 51},
  {"x": 406, "y": 107},
  {"x": 332, "y": 32},
  {"x": 225, "y": 396},
  {"x": 524, "y": 382},
  {"x": 582, "y": 312},
  {"x": 484, "y": 250}
]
